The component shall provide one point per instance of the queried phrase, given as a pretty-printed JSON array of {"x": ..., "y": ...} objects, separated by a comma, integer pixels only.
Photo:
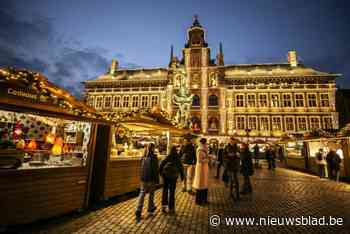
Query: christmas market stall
[
  {"x": 134, "y": 130},
  {"x": 301, "y": 153},
  {"x": 48, "y": 142}
]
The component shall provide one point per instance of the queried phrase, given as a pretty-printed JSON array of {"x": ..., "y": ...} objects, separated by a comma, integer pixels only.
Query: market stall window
[
  {"x": 43, "y": 142},
  {"x": 294, "y": 149}
]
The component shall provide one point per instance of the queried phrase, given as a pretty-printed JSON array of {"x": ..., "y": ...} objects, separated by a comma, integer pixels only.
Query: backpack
[
  {"x": 170, "y": 171},
  {"x": 319, "y": 156}
]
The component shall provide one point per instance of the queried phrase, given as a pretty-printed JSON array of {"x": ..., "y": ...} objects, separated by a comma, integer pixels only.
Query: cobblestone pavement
[{"x": 283, "y": 193}]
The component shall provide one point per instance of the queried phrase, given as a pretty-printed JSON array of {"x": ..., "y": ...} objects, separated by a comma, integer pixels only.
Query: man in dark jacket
[
  {"x": 246, "y": 168},
  {"x": 188, "y": 156},
  {"x": 220, "y": 160},
  {"x": 170, "y": 169},
  {"x": 231, "y": 160},
  {"x": 149, "y": 176},
  {"x": 330, "y": 163}
]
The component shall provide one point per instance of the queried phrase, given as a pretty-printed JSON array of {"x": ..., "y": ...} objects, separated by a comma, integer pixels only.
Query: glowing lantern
[
  {"x": 50, "y": 138},
  {"x": 57, "y": 147},
  {"x": 21, "y": 144},
  {"x": 32, "y": 145}
]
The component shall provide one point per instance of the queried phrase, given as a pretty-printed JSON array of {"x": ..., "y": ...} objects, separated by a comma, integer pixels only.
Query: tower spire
[
  {"x": 220, "y": 48},
  {"x": 220, "y": 56},
  {"x": 171, "y": 52}
]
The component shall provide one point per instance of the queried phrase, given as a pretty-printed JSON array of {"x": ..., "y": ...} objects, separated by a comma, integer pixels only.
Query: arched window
[
  {"x": 213, "y": 100},
  {"x": 195, "y": 100}
]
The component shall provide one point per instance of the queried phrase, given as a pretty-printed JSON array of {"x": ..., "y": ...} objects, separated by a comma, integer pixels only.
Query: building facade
[{"x": 238, "y": 99}]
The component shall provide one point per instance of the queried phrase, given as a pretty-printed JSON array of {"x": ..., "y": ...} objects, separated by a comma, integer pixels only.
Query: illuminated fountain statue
[{"x": 183, "y": 99}]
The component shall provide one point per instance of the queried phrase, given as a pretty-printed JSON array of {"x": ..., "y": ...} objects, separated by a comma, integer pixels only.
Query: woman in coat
[
  {"x": 170, "y": 169},
  {"x": 246, "y": 168},
  {"x": 200, "y": 182}
]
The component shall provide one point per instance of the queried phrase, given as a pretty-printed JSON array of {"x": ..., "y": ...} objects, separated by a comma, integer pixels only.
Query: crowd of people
[{"x": 191, "y": 162}]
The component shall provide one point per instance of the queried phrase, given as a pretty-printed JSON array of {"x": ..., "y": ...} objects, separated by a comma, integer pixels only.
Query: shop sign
[{"x": 22, "y": 93}]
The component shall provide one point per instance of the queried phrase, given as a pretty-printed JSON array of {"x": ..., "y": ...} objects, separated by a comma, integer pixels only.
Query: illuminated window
[
  {"x": 287, "y": 100},
  {"x": 276, "y": 123},
  {"x": 289, "y": 124},
  {"x": 154, "y": 101},
  {"x": 252, "y": 122},
  {"x": 125, "y": 101},
  {"x": 302, "y": 124},
  {"x": 263, "y": 100},
  {"x": 274, "y": 100},
  {"x": 264, "y": 123},
  {"x": 99, "y": 101},
  {"x": 144, "y": 101},
  {"x": 108, "y": 101},
  {"x": 312, "y": 100},
  {"x": 299, "y": 100},
  {"x": 240, "y": 122},
  {"x": 314, "y": 123},
  {"x": 135, "y": 101},
  {"x": 240, "y": 100},
  {"x": 90, "y": 101},
  {"x": 116, "y": 102},
  {"x": 251, "y": 100},
  {"x": 324, "y": 100},
  {"x": 327, "y": 123}
]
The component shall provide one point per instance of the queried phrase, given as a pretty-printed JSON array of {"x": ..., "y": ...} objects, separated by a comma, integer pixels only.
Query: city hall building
[{"x": 255, "y": 100}]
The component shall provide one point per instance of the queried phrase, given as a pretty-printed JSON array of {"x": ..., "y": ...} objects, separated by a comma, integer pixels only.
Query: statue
[{"x": 183, "y": 99}]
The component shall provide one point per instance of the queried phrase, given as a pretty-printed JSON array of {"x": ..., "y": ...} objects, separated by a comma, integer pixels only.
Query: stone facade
[{"x": 239, "y": 99}]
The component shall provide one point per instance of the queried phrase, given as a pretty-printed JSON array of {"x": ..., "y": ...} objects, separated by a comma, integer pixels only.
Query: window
[
  {"x": 195, "y": 100},
  {"x": 116, "y": 101},
  {"x": 289, "y": 124},
  {"x": 154, "y": 101},
  {"x": 99, "y": 101},
  {"x": 213, "y": 100},
  {"x": 108, "y": 101},
  {"x": 251, "y": 100},
  {"x": 274, "y": 100},
  {"x": 252, "y": 124},
  {"x": 324, "y": 100},
  {"x": 240, "y": 122},
  {"x": 299, "y": 100},
  {"x": 276, "y": 123},
  {"x": 144, "y": 101},
  {"x": 125, "y": 101},
  {"x": 264, "y": 123},
  {"x": 90, "y": 101},
  {"x": 327, "y": 123},
  {"x": 240, "y": 100},
  {"x": 287, "y": 100},
  {"x": 302, "y": 123},
  {"x": 135, "y": 101},
  {"x": 263, "y": 100},
  {"x": 312, "y": 100},
  {"x": 314, "y": 123}
]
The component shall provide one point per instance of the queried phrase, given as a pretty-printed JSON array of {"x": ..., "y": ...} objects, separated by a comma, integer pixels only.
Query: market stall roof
[
  {"x": 155, "y": 121},
  {"x": 31, "y": 91}
]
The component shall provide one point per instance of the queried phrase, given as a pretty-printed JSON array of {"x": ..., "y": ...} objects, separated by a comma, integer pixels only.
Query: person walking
[
  {"x": 270, "y": 157},
  {"x": 336, "y": 166},
  {"x": 321, "y": 163},
  {"x": 170, "y": 169},
  {"x": 220, "y": 160},
  {"x": 256, "y": 155},
  {"x": 246, "y": 168},
  {"x": 200, "y": 182},
  {"x": 188, "y": 156},
  {"x": 231, "y": 159},
  {"x": 330, "y": 165},
  {"x": 149, "y": 176}
]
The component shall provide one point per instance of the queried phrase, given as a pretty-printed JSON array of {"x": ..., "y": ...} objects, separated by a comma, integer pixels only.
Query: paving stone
[{"x": 283, "y": 193}]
